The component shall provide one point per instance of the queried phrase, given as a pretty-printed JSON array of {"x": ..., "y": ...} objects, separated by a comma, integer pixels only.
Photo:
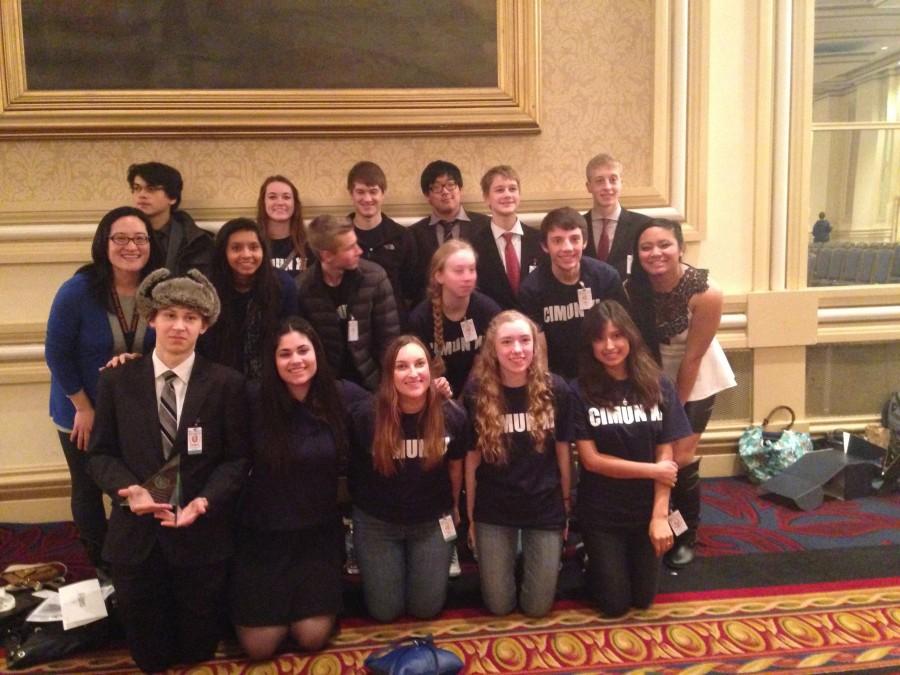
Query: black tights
[{"x": 87, "y": 500}]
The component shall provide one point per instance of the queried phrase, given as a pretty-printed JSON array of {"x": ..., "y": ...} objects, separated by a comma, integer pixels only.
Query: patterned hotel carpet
[
  {"x": 836, "y": 628},
  {"x": 737, "y": 521}
]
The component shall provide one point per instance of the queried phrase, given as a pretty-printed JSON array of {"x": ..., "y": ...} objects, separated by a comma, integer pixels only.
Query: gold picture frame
[{"x": 511, "y": 107}]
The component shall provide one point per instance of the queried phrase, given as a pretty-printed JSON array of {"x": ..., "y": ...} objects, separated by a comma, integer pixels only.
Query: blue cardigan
[{"x": 79, "y": 342}]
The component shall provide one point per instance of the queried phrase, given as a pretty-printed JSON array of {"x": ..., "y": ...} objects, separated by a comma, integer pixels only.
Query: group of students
[{"x": 298, "y": 354}]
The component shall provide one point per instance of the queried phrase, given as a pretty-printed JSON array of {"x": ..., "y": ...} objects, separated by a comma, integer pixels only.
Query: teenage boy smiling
[
  {"x": 442, "y": 185},
  {"x": 508, "y": 251},
  {"x": 169, "y": 560},
  {"x": 557, "y": 294},
  {"x": 610, "y": 228},
  {"x": 383, "y": 241}
]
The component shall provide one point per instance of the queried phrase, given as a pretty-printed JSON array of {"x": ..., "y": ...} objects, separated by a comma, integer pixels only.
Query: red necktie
[
  {"x": 512, "y": 263},
  {"x": 603, "y": 244}
]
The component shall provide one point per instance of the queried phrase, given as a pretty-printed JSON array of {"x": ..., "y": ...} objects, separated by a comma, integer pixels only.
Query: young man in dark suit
[
  {"x": 156, "y": 190},
  {"x": 442, "y": 185},
  {"x": 508, "y": 250},
  {"x": 168, "y": 554},
  {"x": 610, "y": 228}
]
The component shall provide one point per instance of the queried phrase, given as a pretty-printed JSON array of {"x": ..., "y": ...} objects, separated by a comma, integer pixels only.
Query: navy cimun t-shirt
[
  {"x": 412, "y": 495},
  {"x": 526, "y": 491},
  {"x": 284, "y": 257},
  {"x": 459, "y": 353},
  {"x": 630, "y": 432},
  {"x": 554, "y": 307}
]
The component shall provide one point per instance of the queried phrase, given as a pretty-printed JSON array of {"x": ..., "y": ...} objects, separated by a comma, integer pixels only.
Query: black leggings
[
  {"x": 87, "y": 500},
  {"x": 623, "y": 570}
]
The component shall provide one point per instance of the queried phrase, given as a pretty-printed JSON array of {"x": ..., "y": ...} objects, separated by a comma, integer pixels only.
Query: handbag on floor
[
  {"x": 34, "y": 577},
  {"x": 765, "y": 454},
  {"x": 418, "y": 656}
]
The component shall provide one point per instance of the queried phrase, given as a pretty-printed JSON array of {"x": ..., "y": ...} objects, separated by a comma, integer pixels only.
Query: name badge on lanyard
[
  {"x": 468, "y": 330},
  {"x": 585, "y": 298}
]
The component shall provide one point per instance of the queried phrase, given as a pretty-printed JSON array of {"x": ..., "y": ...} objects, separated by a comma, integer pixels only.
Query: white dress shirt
[
  {"x": 501, "y": 242},
  {"x": 180, "y": 383},
  {"x": 597, "y": 221}
]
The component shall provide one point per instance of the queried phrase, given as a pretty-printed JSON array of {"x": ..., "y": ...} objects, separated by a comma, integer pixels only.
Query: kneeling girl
[
  {"x": 407, "y": 450},
  {"x": 287, "y": 573},
  {"x": 629, "y": 417},
  {"x": 517, "y": 474}
]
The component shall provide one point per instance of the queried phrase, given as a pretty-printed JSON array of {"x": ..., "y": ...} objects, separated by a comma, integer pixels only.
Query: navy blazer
[
  {"x": 126, "y": 449},
  {"x": 492, "y": 279},
  {"x": 622, "y": 244}
]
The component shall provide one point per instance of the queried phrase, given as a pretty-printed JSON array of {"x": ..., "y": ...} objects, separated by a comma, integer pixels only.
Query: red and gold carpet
[{"x": 825, "y": 628}]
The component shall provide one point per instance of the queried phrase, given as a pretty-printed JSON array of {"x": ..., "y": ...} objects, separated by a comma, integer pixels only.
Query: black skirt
[{"x": 283, "y": 576}]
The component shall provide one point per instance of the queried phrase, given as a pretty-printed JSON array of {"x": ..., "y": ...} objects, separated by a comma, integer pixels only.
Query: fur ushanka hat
[{"x": 162, "y": 289}]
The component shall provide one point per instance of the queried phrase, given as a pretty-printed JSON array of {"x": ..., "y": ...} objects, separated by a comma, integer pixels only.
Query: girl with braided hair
[{"x": 454, "y": 318}]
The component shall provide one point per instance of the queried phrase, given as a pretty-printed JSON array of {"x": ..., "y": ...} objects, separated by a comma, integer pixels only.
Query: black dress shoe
[{"x": 680, "y": 556}]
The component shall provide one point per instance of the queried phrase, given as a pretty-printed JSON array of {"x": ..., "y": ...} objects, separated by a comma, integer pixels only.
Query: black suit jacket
[
  {"x": 126, "y": 449},
  {"x": 426, "y": 240},
  {"x": 492, "y": 279},
  {"x": 622, "y": 244}
]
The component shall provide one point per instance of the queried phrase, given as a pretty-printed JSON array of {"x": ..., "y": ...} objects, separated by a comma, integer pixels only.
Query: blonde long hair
[
  {"x": 436, "y": 295},
  {"x": 388, "y": 436},
  {"x": 490, "y": 403}
]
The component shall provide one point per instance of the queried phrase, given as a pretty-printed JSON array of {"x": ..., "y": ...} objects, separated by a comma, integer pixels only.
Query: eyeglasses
[
  {"x": 449, "y": 187},
  {"x": 149, "y": 189},
  {"x": 123, "y": 239}
]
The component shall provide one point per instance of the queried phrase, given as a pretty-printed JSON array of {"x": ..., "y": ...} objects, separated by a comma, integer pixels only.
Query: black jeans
[
  {"x": 623, "y": 570},
  {"x": 87, "y": 500}
]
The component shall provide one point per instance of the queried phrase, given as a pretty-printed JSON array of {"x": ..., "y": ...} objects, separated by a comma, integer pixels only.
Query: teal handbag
[{"x": 765, "y": 454}]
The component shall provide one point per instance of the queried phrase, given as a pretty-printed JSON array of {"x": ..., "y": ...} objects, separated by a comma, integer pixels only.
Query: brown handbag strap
[{"x": 774, "y": 410}]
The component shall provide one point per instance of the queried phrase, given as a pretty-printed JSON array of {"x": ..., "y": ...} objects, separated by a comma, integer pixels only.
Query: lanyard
[
  {"x": 127, "y": 331},
  {"x": 290, "y": 258}
]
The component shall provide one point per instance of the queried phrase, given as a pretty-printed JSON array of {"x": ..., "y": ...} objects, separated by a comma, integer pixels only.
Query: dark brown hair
[
  {"x": 643, "y": 373},
  {"x": 297, "y": 228}
]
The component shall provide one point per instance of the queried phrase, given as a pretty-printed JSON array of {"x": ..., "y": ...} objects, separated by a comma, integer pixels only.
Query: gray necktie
[{"x": 168, "y": 413}]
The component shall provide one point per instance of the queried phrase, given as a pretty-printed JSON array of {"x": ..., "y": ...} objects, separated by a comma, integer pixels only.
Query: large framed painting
[{"x": 114, "y": 68}]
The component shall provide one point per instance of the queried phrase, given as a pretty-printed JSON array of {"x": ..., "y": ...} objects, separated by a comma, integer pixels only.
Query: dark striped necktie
[
  {"x": 168, "y": 413},
  {"x": 447, "y": 229}
]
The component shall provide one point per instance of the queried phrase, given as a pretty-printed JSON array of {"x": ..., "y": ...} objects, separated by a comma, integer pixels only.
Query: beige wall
[{"x": 597, "y": 94}]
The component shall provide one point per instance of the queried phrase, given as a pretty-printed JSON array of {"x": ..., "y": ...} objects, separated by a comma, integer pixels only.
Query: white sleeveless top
[{"x": 714, "y": 374}]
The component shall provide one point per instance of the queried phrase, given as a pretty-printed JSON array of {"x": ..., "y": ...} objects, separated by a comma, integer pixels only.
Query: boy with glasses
[
  {"x": 156, "y": 190},
  {"x": 442, "y": 185}
]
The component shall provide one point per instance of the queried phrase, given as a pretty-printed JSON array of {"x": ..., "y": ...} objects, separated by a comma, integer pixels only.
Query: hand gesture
[
  {"x": 443, "y": 387},
  {"x": 120, "y": 359},
  {"x": 140, "y": 501},
  {"x": 185, "y": 516},
  {"x": 666, "y": 472},
  {"x": 661, "y": 535}
]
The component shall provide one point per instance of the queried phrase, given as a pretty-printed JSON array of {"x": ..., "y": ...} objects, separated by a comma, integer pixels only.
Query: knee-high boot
[{"x": 686, "y": 498}]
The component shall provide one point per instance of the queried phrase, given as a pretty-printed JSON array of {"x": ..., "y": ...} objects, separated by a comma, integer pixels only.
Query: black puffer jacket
[{"x": 373, "y": 306}]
